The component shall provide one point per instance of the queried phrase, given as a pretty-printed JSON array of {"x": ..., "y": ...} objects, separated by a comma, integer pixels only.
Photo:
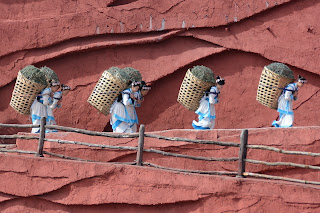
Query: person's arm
[
  {"x": 138, "y": 103},
  {"x": 127, "y": 100},
  {"x": 54, "y": 104},
  {"x": 295, "y": 95},
  {"x": 46, "y": 99},
  {"x": 138, "y": 100},
  {"x": 213, "y": 98},
  {"x": 59, "y": 103},
  {"x": 288, "y": 94},
  {"x": 46, "y": 96}
]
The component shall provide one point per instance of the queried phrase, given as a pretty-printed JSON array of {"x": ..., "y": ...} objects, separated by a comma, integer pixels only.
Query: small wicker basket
[
  {"x": 106, "y": 92},
  {"x": 24, "y": 93},
  {"x": 192, "y": 90},
  {"x": 270, "y": 88}
]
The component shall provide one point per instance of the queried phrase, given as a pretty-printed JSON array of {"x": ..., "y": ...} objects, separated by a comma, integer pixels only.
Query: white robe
[
  {"x": 285, "y": 106},
  {"x": 124, "y": 117},
  {"x": 39, "y": 108},
  {"x": 206, "y": 110}
]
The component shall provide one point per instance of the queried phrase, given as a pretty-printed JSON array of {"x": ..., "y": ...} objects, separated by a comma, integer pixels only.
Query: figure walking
[
  {"x": 56, "y": 103},
  {"x": 39, "y": 106},
  {"x": 288, "y": 95},
  {"x": 206, "y": 111},
  {"x": 124, "y": 117}
]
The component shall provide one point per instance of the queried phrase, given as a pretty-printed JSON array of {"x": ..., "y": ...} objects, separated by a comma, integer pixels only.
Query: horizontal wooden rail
[
  {"x": 27, "y": 137},
  {"x": 192, "y": 141},
  {"x": 7, "y": 146},
  {"x": 79, "y": 159},
  {"x": 18, "y": 151},
  {"x": 20, "y": 125},
  {"x": 88, "y": 132},
  {"x": 188, "y": 156},
  {"x": 270, "y": 148},
  {"x": 282, "y": 164},
  {"x": 249, "y": 174},
  {"x": 190, "y": 171},
  {"x": 91, "y": 144}
]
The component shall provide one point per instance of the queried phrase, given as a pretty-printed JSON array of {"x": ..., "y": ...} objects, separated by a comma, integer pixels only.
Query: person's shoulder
[
  {"x": 57, "y": 94},
  {"x": 291, "y": 86},
  {"x": 126, "y": 91},
  {"x": 46, "y": 91},
  {"x": 213, "y": 89}
]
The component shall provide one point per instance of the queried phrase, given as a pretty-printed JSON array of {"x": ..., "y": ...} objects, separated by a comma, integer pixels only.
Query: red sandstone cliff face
[
  {"x": 80, "y": 39},
  {"x": 91, "y": 187}
]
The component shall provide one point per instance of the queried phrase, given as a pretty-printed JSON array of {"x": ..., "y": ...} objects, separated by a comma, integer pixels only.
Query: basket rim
[
  {"x": 278, "y": 75},
  {"x": 189, "y": 71}
]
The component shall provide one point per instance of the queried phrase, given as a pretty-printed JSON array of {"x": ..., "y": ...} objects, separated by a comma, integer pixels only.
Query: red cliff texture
[
  {"x": 235, "y": 38},
  {"x": 80, "y": 39}
]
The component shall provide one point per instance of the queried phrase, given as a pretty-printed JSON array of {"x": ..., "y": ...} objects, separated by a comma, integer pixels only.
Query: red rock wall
[
  {"x": 80, "y": 39},
  {"x": 50, "y": 185}
]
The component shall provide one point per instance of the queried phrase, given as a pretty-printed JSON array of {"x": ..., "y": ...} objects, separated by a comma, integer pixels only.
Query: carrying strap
[{"x": 284, "y": 89}]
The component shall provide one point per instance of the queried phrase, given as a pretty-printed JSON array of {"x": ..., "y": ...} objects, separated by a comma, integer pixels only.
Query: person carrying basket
[
  {"x": 288, "y": 95},
  {"x": 206, "y": 111}
]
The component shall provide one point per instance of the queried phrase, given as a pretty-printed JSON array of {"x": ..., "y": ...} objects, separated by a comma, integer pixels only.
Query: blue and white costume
[
  {"x": 53, "y": 105},
  {"x": 124, "y": 117},
  {"x": 39, "y": 108},
  {"x": 285, "y": 106},
  {"x": 206, "y": 110}
]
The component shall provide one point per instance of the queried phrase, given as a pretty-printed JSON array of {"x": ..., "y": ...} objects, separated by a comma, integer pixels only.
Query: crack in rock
[{"x": 303, "y": 102}]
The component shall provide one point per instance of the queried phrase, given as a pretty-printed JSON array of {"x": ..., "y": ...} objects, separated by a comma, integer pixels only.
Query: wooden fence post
[
  {"x": 242, "y": 153},
  {"x": 140, "y": 146},
  {"x": 42, "y": 136}
]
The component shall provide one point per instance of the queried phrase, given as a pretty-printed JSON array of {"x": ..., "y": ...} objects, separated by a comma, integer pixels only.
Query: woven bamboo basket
[
  {"x": 270, "y": 88},
  {"x": 192, "y": 90},
  {"x": 24, "y": 93},
  {"x": 106, "y": 92}
]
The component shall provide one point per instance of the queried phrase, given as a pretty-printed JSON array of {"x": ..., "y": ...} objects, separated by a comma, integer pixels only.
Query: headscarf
[
  {"x": 302, "y": 79},
  {"x": 220, "y": 80}
]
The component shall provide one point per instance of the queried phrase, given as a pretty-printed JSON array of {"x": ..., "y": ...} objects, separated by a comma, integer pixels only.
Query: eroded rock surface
[
  {"x": 80, "y": 39},
  {"x": 236, "y": 39}
]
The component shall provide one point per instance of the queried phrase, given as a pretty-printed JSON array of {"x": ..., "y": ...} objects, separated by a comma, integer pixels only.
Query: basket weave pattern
[
  {"x": 24, "y": 93},
  {"x": 106, "y": 92},
  {"x": 270, "y": 88},
  {"x": 192, "y": 90}
]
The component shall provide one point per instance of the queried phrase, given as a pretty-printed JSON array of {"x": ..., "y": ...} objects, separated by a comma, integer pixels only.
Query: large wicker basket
[
  {"x": 270, "y": 88},
  {"x": 106, "y": 92},
  {"x": 192, "y": 90},
  {"x": 24, "y": 93}
]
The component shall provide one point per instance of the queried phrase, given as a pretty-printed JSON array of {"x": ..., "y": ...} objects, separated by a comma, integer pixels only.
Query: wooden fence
[{"x": 241, "y": 158}]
